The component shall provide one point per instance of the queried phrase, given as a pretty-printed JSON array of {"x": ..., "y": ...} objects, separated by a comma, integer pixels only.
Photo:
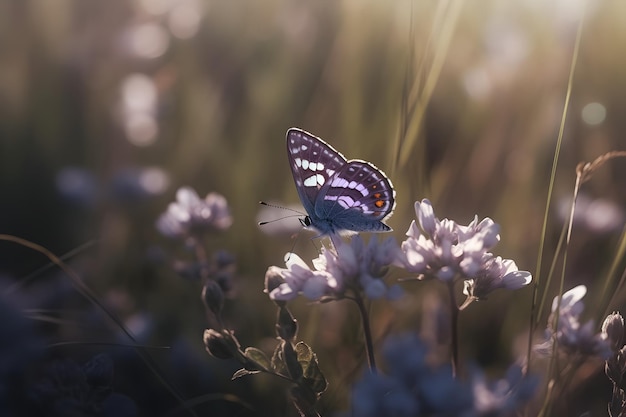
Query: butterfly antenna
[
  {"x": 279, "y": 219},
  {"x": 263, "y": 203}
]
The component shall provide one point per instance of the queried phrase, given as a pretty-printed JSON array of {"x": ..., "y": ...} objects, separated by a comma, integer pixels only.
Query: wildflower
[
  {"x": 613, "y": 330},
  {"x": 496, "y": 273},
  {"x": 503, "y": 396},
  {"x": 298, "y": 278},
  {"x": 447, "y": 251},
  {"x": 190, "y": 215},
  {"x": 412, "y": 386},
  {"x": 443, "y": 249},
  {"x": 571, "y": 336},
  {"x": 353, "y": 266}
]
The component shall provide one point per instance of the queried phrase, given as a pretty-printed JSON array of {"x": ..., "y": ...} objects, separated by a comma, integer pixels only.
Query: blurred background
[{"x": 107, "y": 108}]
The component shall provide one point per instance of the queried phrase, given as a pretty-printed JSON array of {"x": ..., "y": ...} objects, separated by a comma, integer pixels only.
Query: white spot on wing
[
  {"x": 298, "y": 162},
  {"x": 316, "y": 180},
  {"x": 313, "y": 166},
  {"x": 311, "y": 181},
  {"x": 305, "y": 164}
]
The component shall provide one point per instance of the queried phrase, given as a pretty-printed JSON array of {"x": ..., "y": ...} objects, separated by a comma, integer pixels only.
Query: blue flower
[
  {"x": 503, "y": 396},
  {"x": 411, "y": 386}
]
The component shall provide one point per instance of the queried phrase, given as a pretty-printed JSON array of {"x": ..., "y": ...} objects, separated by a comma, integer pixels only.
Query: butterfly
[{"x": 338, "y": 195}]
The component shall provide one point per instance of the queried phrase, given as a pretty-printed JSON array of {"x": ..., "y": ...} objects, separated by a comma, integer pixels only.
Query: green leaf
[
  {"x": 294, "y": 368},
  {"x": 312, "y": 374},
  {"x": 243, "y": 372},
  {"x": 258, "y": 357},
  {"x": 278, "y": 362}
]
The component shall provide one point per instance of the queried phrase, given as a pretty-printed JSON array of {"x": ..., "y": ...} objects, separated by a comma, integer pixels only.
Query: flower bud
[
  {"x": 613, "y": 329},
  {"x": 273, "y": 279},
  {"x": 220, "y": 345},
  {"x": 213, "y": 297}
]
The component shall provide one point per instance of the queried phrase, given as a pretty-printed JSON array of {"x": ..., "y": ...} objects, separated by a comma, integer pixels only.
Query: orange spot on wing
[
  {"x": 377, "y": 195},
  {"x": 379, "y": 203}
]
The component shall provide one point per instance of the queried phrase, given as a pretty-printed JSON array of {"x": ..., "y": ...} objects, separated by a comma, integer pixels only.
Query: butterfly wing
[
  {"x": 359, "y": 197},
  {"x": 313, "y": 162}
]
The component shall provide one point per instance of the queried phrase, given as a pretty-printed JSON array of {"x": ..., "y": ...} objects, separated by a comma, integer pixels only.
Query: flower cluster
[
  {"x": 354, "y": 266},
  {"x": 413, "y": 387},
  {"x": 190, "y": 216},
  {"x": 447, "y": 251},
  {"x": 571, "y": 336}
]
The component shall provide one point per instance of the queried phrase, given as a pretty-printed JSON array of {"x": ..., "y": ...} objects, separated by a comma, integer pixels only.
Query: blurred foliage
[{"x": 221, "y": 81}]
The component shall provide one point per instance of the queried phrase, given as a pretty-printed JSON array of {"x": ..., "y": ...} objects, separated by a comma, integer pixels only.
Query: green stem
[
  {"x": 369, "y": 343},
  {"x": 454, "y": 324}
]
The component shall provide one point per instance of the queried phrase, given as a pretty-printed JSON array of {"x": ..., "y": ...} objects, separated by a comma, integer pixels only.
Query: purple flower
[
  {"x": 573, "y": 337},
  {"x": 189, "y": 215},
  {"x": 496, "y": 273},
  {"x": 354, "y": 266},
  {"x": 443, "y": 249},
  {"x": 298, "y": 278},
  {"x": 503, "y": 396},
  {"x": 448, "y": 251}
]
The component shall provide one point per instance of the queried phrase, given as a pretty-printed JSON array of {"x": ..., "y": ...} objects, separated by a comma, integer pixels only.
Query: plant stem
[
  {"x": 454, "y": 324},
  {"x": 202, "y": 258},
  {"x": 367, "y": 332}
]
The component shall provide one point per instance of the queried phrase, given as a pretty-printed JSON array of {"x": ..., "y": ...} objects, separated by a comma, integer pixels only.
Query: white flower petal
[{"x": 426, "y": 216}]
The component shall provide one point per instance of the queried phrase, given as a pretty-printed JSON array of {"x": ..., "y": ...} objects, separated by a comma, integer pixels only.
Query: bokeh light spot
[
  {"x": 184, "y": 20},
  {"x": 594, "y": 114},
  {"x": 155, "y": 7},
  {"x": 138, "y": 93},
  {"x": 154, "y": 180},
  {"x": 141, "y": 129},
  {"x": 149, "y": 40}
]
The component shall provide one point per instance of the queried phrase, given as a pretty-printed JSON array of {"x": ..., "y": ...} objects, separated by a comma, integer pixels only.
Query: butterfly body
[{"x": 338, "y": 195}]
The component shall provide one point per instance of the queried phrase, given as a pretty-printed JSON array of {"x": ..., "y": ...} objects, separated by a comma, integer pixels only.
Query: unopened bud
[
  {"x": 613, "y": 328},
  {"x": 213, "y": 297},
  {"x": 220, "y": 345}
]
